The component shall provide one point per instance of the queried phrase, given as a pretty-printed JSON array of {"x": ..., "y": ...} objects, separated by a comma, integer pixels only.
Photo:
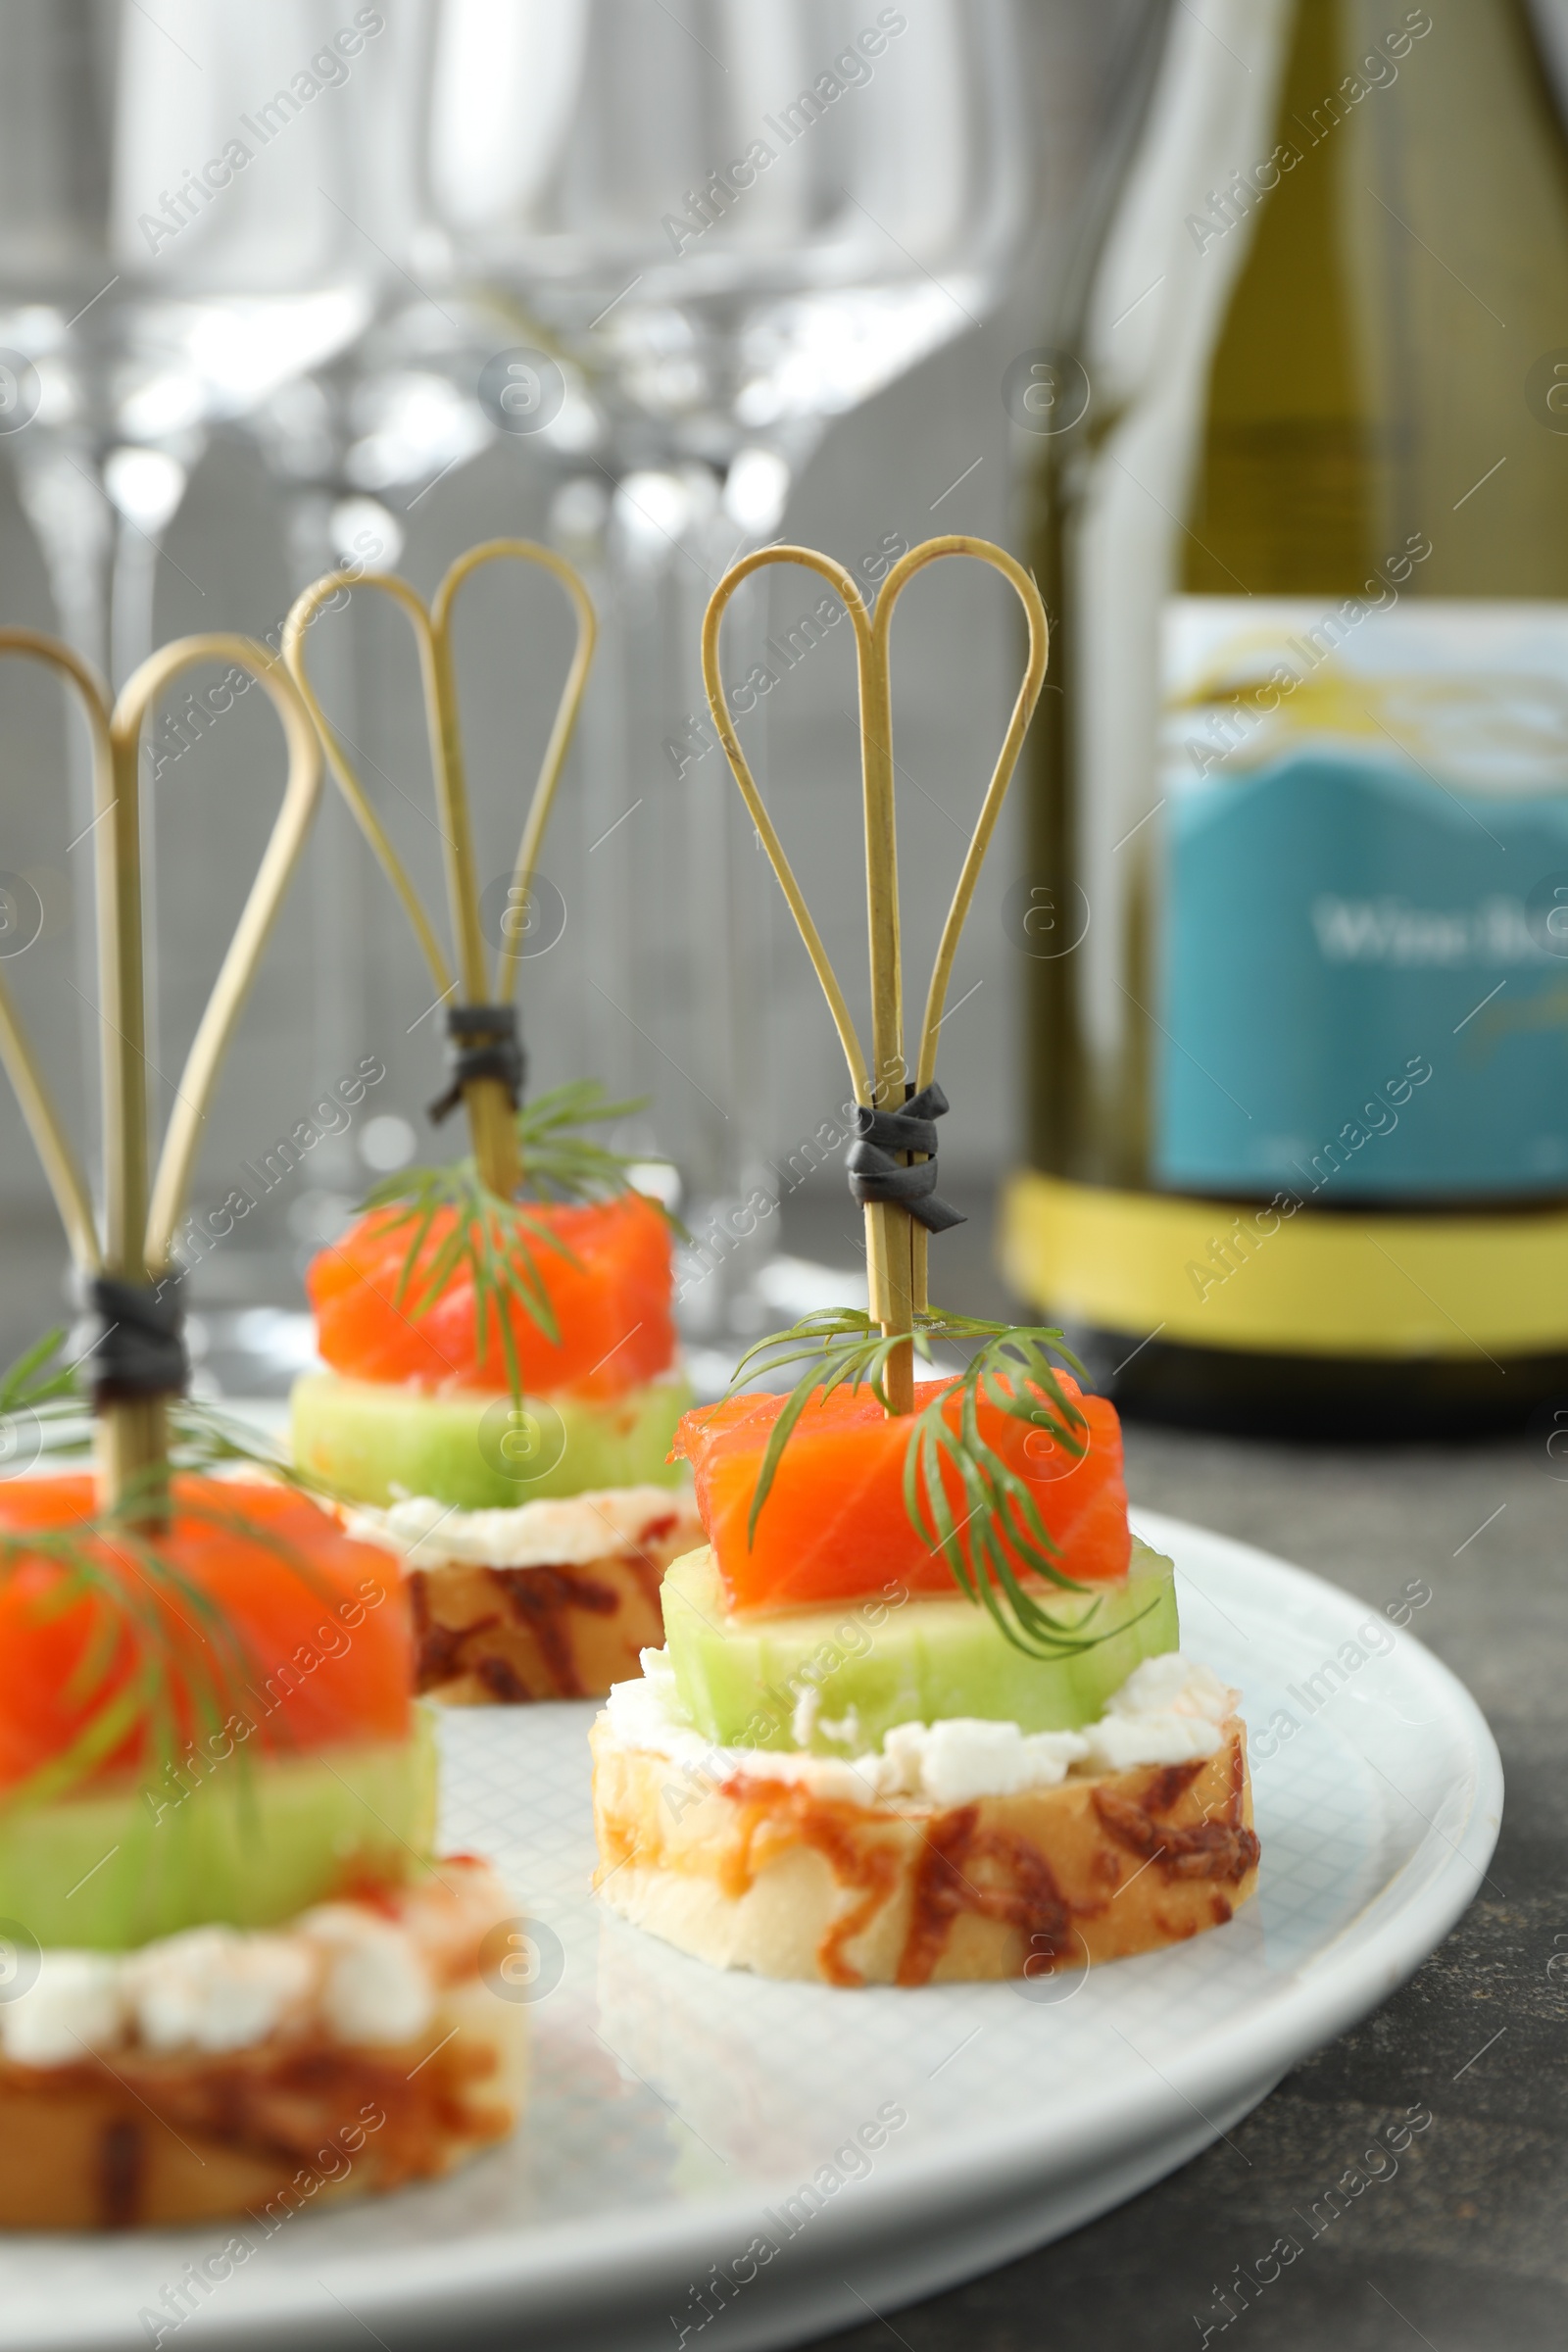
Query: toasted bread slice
[
  {"x": 132, "y": 2135},
  {"x": 549, "y": 1629},
  {"x": 767, "y": 1874}
]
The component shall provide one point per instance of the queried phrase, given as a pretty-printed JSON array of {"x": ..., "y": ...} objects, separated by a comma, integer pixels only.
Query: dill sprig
[
  {"x": 43, "y": 1397},
  {"x": 494, "y": 1238},
  {"x": 180, "y": 1637},
  {"x": 36, "y": 1379},
  {"x": 562, "y": 1163},
  {"x": 998, "y": 1533},
  {"x": 489, "y": 1237}
]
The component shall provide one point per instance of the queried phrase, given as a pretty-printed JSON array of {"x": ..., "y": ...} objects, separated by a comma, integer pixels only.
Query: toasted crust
[
  {"x": 489, "y": 1635},
  {"x": 764, "y": 1873},
  {"x": 140, "y": 2139}
]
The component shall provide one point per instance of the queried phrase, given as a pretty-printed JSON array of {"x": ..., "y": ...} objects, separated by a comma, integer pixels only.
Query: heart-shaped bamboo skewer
[
  {"x": 487, "y": 1101},
  {"x": 141, "y": 1210},
  {"x": 896, "y": 1243}
]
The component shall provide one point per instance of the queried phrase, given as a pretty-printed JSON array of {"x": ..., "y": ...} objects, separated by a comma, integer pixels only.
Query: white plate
[{"x": 676, "y": 2110}]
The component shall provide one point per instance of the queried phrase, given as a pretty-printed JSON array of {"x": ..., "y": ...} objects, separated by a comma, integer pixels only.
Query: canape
[
  {"x": 921, "y": 1714},
  {"x": 497, "y": 1333},
  {"x": 842, "y": 1767},
  {"x": 534, "y": 1524},
  {"x": 233, "y": 1973},
  {"x": 237, "y": 1971}
]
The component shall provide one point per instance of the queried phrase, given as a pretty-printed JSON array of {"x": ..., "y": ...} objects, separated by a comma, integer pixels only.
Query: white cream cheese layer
[
  {"x": 347, "y": 1970},
  {"x": 566, "y": 1532},
  {"x": 1168, "y": 1711}
]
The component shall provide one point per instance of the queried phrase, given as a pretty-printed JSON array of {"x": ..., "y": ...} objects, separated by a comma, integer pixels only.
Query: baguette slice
[
  {"x": 767, "y": 1874},
  {"x": 550, "y": 1629},
  {"x": 140, "y": 2137}
]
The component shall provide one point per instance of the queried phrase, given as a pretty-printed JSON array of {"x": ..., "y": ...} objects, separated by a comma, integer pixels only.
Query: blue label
[{"x": 1366, "y": 983}]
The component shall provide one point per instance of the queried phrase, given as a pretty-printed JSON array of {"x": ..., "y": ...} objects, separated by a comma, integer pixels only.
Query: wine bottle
[{"x": 1295, "y": 919}]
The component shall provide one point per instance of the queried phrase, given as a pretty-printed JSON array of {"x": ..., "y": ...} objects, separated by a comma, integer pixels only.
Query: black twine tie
[
  {"x": 137, "y": 1346},
  {"x": 483, "y": 1042},
  {"x": 877, "y": 1173}
]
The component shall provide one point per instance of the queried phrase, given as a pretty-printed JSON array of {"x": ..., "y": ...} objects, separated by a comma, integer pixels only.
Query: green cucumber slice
[
  {"x": 374, "y": 1440},
  {"x": 249, "y": 1845},
  {"x": 920, "y": 1660}
]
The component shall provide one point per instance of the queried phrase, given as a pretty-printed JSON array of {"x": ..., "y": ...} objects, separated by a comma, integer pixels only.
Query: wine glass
[
  {"x": 184, "y": 226},
  {"x": 707, "y": 228},
  {"x": 177, "y": 240}
]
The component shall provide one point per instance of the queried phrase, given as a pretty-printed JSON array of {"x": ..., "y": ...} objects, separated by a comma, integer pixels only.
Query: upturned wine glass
[
  {"x": 705, "y": 229},
  {"x": 189, "y": 220}
]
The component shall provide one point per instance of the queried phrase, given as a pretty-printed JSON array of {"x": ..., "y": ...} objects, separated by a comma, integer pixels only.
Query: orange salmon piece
[
  {"x": 611, "y": 1297},
  {"x": 321, "y": 1625},
  {"x": 834, "y": 1526}
]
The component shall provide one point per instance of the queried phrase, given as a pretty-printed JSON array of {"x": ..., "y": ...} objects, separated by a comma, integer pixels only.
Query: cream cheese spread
[
  {"x": 1168, "y": 1711},
  {"x": 349, "y": 1970},
  {"x": 565, "y": 1532}
]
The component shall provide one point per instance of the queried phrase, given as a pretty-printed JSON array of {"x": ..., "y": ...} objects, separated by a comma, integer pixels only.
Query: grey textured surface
[{"x": 1464, "y": 2249}]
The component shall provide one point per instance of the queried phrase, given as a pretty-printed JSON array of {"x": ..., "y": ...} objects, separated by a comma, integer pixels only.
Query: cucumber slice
[
  {"x": 373, "y": 1441},
  {"x": 741, "y": 1678},
  {"x": 251, "y": 1845}
]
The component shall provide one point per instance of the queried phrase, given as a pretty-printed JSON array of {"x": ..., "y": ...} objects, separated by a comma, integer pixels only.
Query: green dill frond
[
  {"x": 839, "y": 1347},
  {"x": 35, "y": 1378},
  {"x": 43, "y": 1399},
  {"x": 182, "y": 1648},
  {"x": 495, "y": 1239},
  {"x": 562, "y": 1163},
  {"x": 997, "y": 1535},
  {"x": 181, "y": 1643},
  {"x": 44, "y": 1410}
]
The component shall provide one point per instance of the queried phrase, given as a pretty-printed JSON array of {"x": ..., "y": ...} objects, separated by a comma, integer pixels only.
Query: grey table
[{"x": 1466, "y": 2249}]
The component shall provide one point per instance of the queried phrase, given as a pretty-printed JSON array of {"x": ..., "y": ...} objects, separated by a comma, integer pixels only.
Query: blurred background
[
  {"x": 216, "y": 391},
  {"x": 1237, "y": 321}
]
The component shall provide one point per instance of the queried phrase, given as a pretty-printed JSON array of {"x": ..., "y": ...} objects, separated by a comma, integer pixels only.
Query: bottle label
[{"x": 1364, "y": 952}]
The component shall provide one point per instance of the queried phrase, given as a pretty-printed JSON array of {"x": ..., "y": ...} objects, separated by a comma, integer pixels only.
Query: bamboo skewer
[
  {"x": 141, "y": 1210},
  {"x": 286, "y": 845},
  {"x": 487, "y": 1101},
  {"x": 63, "y": 1175},
  {"x": 896, "y": 1241},
  {"x": 887, "y": 1226}
]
